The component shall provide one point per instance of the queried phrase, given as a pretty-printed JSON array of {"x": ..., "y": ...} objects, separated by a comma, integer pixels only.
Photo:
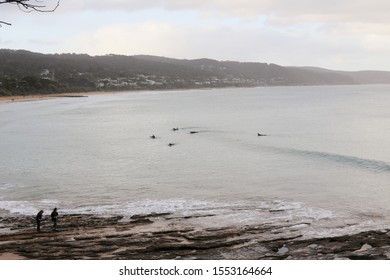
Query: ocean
[{"x": 323, "y": 164}]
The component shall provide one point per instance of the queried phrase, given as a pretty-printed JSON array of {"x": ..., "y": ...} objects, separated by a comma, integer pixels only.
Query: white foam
[
  {"x": 27, "y": 207},
  {"x": 141, "y": 207},
  {"x": 19, "y": 207},
  {"x": 207, "y": 214},
  {"x": 7, "y": 186},
  {"x": 179, "y": 207}
]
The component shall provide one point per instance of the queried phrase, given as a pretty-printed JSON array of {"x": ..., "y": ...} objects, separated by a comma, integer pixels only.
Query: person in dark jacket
[
  {"x": 38, "y": 220},
  {"x": 54, "y": 215}
]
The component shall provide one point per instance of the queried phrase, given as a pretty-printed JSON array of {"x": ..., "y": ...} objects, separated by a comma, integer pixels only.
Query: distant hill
[{"x": 24, "y": 73}]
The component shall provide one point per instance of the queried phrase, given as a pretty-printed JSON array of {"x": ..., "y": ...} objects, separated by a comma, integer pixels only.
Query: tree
[{"x": 30, "y": 6}]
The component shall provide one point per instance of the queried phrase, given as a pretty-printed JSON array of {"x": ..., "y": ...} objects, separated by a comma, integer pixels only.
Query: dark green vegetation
[{"x": 27, "y": 73}]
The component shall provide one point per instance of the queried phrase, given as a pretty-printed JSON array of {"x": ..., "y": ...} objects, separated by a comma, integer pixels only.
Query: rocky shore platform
[{"x": 158, "y": 236}]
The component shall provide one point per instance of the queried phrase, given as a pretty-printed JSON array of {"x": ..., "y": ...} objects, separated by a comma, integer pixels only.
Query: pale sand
[
  {"x": 18, "y": 98},
  {"x": 11, "y": 256}
]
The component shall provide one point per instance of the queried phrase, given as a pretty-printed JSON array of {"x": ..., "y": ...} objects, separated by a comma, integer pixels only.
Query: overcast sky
[{"x": 334, "y": 34}]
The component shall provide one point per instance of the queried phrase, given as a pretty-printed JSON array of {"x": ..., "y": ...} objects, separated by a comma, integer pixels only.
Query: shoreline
[
  {"x": 27, "y": 98},
  {"x": 157, "y": 236}
]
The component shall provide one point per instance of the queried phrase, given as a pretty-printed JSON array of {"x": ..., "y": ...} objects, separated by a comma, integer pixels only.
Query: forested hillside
[{"x": 26, "y": 73}]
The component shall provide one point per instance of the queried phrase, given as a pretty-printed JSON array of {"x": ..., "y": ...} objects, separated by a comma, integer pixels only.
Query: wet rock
[
  {"x": 365, "y": 247},
  {"x": 162, "y": 236},
  {"x": 283, "y": 250},
  {"x": 151, "y": 215}
]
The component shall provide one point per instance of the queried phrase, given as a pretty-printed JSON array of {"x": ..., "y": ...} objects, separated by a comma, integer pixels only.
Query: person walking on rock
[
  {"x": 54, "y": 215},
  {"x": 38, "y": 220}
]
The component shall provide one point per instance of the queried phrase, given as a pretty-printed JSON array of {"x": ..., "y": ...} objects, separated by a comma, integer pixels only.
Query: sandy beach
[
  {"x": 20, "y": 98},
  {"x": 156, "y": 236},
  {"x": 25, "y": 98}
]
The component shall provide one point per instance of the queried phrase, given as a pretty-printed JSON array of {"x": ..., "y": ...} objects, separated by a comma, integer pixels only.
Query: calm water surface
[{"x": 325, "y": 159}]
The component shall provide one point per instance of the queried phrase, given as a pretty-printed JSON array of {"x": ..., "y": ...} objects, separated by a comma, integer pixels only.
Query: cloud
[
  {"x": 221, "y": 42},
  {"x": 5, "y": 42},
  {"x": 278, "y": 12},
  {"x": 150, "y": 37},
  {"x": 46, "y": 42},
  {"x": 334, "y": 34},
  {"x": 334, "y": 47},
  {"x": 298, "y": 10},
  {"x": 145, "y": 38},
  {"x": 44, "y": 5}
]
